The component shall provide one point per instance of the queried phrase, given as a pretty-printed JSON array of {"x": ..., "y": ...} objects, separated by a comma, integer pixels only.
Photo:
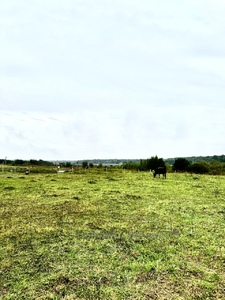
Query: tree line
[
  {"x": 213, "y": 165},
  {"x": 180, "y": 164},
  {"x": 31, "y": 162},
  {"x": 192, "y": 159}
]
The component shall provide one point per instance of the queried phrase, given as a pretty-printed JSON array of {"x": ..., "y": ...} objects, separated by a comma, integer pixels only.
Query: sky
[{"x": 100, "y": 79}]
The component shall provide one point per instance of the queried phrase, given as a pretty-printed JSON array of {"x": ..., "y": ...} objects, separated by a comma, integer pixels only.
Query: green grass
[{"x": 112, "y": 235}]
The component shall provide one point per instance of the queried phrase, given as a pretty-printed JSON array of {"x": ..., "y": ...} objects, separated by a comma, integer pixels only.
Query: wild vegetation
[{"x": 111, "y": 234}]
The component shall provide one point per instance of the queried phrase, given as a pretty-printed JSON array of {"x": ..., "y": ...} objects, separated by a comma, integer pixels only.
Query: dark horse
[{"x": 160, "y": 170}]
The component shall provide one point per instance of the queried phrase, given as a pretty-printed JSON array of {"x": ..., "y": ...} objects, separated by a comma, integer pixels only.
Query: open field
[{"x": 112, "y": 235}]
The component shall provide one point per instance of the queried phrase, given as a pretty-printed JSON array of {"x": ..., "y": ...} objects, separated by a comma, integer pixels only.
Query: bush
[
  {"x": 131, "y": 166},
  {"x": 199, "y": 168}
]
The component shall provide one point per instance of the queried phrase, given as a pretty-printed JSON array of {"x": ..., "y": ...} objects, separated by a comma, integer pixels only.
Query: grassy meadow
[{"x": 112, "y": 235}]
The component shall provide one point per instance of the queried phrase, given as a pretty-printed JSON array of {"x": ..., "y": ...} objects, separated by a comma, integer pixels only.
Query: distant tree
[
  {"x": 40, "y": 162},
  {"x": 151, "y": 163},
  {"x": 34, "y": 162},
  {"x": 199, "y": 168},
  {"x": 19, "y": 162},
  {"x": 91, "y": 165},
  {"x": 68, "y": 164},
  {"x": 181, "y": 164},
  {"x": 84, "y": 164},
  {"x": 44, "y": 163}
]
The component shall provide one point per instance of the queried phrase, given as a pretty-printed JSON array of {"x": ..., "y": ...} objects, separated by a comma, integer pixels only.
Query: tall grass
[{"x": 112, "y": 235}]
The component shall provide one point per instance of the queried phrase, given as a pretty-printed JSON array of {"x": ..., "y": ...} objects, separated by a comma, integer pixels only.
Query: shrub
[{"x": 199, "y": 168}]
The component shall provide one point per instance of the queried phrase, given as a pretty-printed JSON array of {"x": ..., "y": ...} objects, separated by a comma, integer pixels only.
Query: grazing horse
[{"x": 160, "y": 170}]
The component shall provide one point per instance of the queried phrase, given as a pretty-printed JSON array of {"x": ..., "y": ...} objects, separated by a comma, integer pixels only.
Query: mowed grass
[{"x": 112, "y": 235}]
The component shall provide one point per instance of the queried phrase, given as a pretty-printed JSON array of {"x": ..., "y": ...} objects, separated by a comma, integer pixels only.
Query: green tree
[
  {"x": 19, "y": 162},
  {"x": 151, "y": 163},
  {"x": 34, "y": 162},
  {"x": 85, "y": 164},
  {"x": 181, "y": 164}
]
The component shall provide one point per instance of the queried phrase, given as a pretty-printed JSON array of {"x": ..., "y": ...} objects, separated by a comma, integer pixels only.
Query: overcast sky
[{"x": 85, "y": 79}]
